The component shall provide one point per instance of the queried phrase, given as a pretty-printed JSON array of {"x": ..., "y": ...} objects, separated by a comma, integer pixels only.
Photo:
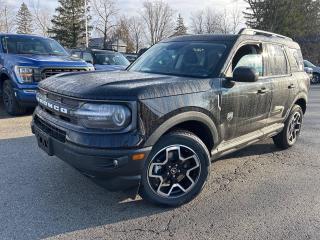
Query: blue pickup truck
[{"x": 25, "y": 60}]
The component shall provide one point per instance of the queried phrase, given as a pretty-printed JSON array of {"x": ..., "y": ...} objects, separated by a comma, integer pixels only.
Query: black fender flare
[{"x": 181, "y": 118}]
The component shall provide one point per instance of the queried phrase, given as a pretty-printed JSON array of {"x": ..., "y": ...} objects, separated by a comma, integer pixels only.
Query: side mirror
[
  {"x": 89, "y": 61},
  {"x": 75, "y": 56},
  {"x": 245, "y": 74}
]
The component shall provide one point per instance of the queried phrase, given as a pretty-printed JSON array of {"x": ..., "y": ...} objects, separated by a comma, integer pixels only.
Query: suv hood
[
  {"x": 123, "y": 85},
  {"x": 47, "y": 60}
]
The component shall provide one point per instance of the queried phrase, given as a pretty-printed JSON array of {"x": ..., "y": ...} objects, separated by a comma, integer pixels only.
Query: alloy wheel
[
  {"x": 294, "y": 127},
  {"x": 174, "y": 171}
]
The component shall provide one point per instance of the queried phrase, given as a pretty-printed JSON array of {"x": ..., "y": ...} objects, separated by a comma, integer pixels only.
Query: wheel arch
[{"x": 197, "y": 123}]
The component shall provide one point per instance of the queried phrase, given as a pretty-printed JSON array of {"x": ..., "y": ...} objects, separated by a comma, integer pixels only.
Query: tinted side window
[
  {"x": 276, "y": 61},
  {"x": 78, "y": 54},
  {"x": 87, "y": 57}
]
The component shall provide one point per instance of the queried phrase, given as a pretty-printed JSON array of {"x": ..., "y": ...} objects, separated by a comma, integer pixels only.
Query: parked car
[
  {"x": 309, "y": 71},
  {"x": 25, "y": 61},
  {"x": 185, "y": 102},
  {"x": 316, "y": 71},
  {"x": 103, "y": 59},
  {"x": 131, "y": 57}
]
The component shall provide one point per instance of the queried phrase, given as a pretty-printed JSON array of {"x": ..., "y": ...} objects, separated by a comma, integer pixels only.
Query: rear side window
[
  {"x": 276, "y": 64},
  {"x": 296, "y": 60}
]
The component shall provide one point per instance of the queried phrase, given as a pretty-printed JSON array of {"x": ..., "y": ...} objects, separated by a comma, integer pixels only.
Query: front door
[{"x": 245, "y": 107}]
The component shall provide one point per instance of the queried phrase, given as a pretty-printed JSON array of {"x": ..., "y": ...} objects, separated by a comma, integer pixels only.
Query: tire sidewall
[
  {"x": 182, "y": 139},
  {"x": 7, "y": 89}
]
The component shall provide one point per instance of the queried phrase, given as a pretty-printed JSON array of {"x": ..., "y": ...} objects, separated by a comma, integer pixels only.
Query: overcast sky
[{"x": 130, "y": 7}]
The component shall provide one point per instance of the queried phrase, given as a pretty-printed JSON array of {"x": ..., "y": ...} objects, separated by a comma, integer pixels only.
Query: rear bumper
[{"x": 112, "y": 167}]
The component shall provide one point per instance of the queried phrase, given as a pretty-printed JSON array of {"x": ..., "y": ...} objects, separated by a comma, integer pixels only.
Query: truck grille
[
  {"x": 49, "y": 129},
  {"x": 49, "y": 72}
]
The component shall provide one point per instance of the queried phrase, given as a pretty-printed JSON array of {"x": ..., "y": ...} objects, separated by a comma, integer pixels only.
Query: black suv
[{"x": 188, "y": 100}]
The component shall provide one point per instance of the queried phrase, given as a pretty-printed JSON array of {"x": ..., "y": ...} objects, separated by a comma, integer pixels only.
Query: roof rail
[{"x": 250, "y": 31}]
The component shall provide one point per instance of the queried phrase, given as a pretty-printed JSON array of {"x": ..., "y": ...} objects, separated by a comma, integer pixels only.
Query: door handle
[
  {"x": 291, "y": 86},
  {"x": 262, "y": 91}
]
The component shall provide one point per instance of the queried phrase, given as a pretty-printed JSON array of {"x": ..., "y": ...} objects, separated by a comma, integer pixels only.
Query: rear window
[{"x": 296, "y": 60}]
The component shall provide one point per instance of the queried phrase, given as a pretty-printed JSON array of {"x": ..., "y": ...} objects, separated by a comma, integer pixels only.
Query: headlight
[
  {"x": 27, "y": 74},
  {"x": 103, "y": 116}
]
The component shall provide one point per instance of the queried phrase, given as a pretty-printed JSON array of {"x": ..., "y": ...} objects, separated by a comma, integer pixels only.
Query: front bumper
[
  {"x": 26, "y": 97},
  {"x": 114, "y": 167}
]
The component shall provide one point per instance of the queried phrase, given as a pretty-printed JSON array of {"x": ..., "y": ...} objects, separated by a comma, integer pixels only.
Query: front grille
[
  {"x": 48, "y": 72},
  {"x": 52, "y": 131}
]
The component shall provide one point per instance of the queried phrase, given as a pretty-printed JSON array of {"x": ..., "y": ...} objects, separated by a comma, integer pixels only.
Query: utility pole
[{"x": 86, "y": 16}]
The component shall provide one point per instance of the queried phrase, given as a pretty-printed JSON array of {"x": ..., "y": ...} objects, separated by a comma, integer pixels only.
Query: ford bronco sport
[
  {"x": 182, "y": 104},
  {"x": 27, "y": 59}
]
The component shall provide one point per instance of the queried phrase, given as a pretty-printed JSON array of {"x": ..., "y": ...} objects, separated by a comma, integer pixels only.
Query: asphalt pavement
[{"x": 256, "y": 193}]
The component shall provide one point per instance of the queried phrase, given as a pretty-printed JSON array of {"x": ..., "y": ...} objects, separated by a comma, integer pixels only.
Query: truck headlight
[
  {"x": 27, "y": 74},
  {"x": 103, "y": 116}
]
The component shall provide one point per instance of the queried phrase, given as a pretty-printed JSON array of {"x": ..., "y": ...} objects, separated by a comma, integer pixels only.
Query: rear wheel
[
  {"x": 176, "y": 170},
  {"x": 291, "y": 132},
  {"x": 10, "y": 101}
]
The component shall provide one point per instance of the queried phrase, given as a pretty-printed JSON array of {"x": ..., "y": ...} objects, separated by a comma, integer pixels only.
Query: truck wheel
[
  {"x": 291, "y": 132},
  {"x": 176, "y": 169},
  {"x": 10, "y": 102}
]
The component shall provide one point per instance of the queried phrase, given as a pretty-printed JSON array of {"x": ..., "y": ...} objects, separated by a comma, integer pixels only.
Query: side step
[{"x": 233, "y": 145}]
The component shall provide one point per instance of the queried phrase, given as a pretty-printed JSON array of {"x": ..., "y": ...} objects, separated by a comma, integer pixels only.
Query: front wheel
[
  {"x": 10, "y": 101},
  {"x": 176, "y": 169},
  {"x": 291, "y": 132}
]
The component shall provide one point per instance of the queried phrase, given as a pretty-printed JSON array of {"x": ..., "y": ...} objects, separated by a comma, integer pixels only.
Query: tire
[
  {"x": 292, "y": 128},
  {"x": 315, "y": 78},
  {"x": 176, "y": 170},
  {"x": 10, "y": 102}
]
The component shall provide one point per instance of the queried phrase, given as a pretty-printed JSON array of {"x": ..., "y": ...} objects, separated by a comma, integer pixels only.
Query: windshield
[
  {"x": 32, "y": 45},
  {"x": 106, "y": 58},
  {"x": 195, "y": 59}
]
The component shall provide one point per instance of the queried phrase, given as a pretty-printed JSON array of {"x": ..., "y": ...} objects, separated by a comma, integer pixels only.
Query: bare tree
[
  {"x": 136, "y": 32},
  {"x": 7, "y": 18},
  {"x": 205, "y": 21},
  {"x": 197, "y": 22},
  {"x": 210, "y": 21},
  {"x": 105, "y": 11},
  {"x": 231, "y": 20},
  {"x": 158, "y": 17},
  {"x": 42, "y": 18}
]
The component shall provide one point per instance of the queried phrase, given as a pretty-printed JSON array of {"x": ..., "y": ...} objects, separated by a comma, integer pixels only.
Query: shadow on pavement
[
  {"x": 42, "y": 196},
  {"x": 256, "y": 149}
]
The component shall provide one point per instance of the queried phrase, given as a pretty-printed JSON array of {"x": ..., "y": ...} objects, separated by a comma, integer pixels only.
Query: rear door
[{"x": 279, "y": 73}]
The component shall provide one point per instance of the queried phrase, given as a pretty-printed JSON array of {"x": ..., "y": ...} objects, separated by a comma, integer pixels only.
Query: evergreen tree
[
  {"x": 69, "y": 25},
  {"x": 298, "y": 19},
  {"x": 180, "y": 29},
  {"x": 287, "y": 17},
  {"x": 24, "y": 20}
]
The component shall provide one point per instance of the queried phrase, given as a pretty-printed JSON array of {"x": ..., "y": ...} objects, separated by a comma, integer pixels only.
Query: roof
[
  {"x": 234, "y": 37},
  {"x": 20, "y": 35}
]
